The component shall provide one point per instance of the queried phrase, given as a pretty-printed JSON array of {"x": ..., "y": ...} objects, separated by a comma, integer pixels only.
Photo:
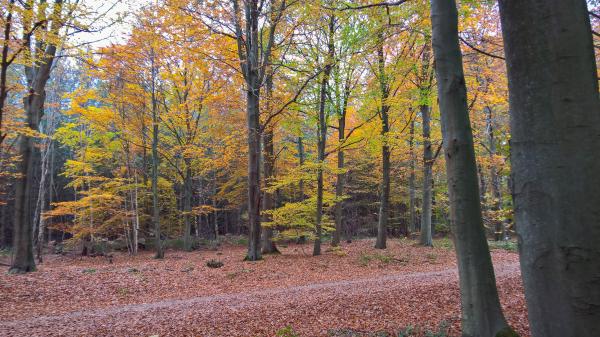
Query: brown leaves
[{"x": 140, "y": 296}]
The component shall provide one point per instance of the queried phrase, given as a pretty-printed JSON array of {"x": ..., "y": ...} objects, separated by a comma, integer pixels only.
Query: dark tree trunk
[
  {"x": 187, "y": 206},
  {"x": 23, "y": 260},
  {"x": 425, "y": 238},
  {"x": 268, "y": 246},
  {"x": 384, "y": 198},
  {"x": 37, "y": 76},
  {"x": 555, "y": 129},
  {"x": 159, "y": 254},
  {"x": 301, "y": 163},
  {"x": 482, "y": 186},
  {"x": 412, "y": 202},
  {"x": 425, "y": 109},
  {"x": 341, "y": 177},
  {"x": 480, "y": 307},
  {"x": 495, "y": 183},
  {"x": 322, "y": 141},
  {"x": 254, "y": 248}
]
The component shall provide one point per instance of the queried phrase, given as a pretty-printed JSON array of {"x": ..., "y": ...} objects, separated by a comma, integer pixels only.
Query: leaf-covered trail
[{"x": 372, "y": 302}]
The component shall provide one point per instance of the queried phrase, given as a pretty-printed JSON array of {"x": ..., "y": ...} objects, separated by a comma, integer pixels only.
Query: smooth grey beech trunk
[
  {"x": 480, "y": 307},
  {"x": 555, "y": 128}
]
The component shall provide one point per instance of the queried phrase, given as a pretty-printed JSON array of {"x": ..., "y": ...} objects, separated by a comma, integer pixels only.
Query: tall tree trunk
[
  {"x": 412, "y": 202},
  {"x": 341, "y": 177},
  {"x": 37, "y": 75},
  {"x": 425, "y": 238},
  {"x": 155, "y": 162},
  {"x": 215, "y": 209},
  {"x": 555, "y": 129},
  {"x": 322, "y": 134},
  {"x": 187, "y": 206},
  {"x": 425, "y": 109},
  {"x": 482, "y": 186},
  {"x": 301, "y": 163},
  {"x": 41, "y": 202},
  {"x": 136, "y": 224},
  {"x": 254, "y": 247},
  {"x": 47, "y": 155},
  {"x": 480, "y": 307},
  {"x": 384, "y": 198},
  {"x": 22, "y": 227},
  {"x": 268, "y": 246},
  {"x": 499, "y": 227}
]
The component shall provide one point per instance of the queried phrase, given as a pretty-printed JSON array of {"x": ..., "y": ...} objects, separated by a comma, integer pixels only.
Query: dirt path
[{"x": 386, "y": 302}]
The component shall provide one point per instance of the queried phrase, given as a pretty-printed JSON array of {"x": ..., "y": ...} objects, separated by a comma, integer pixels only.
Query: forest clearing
[
  {"x": 286, "y": 168},
  {"x": 351, "y": 288}
]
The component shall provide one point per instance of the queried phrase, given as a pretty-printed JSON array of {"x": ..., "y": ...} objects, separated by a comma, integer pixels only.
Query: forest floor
[{"x": 354, "y": 290}]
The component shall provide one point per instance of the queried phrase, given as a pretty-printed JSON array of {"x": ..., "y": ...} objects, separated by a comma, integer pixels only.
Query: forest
[{"x": 340, "y": 168}]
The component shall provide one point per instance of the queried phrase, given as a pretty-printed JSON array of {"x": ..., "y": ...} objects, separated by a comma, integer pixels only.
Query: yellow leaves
[{"x": 204, "y": 210}]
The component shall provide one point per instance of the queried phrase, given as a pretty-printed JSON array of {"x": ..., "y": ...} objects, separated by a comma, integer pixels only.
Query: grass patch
[
  {"x": 123, "y": 291},
  {"x": 510, "y": 246},
  {"x": 89, "y": 271},
  {"x": 4, "y": 252},
  {"x": 288, "y": 331},
  {"x": 445, "y": 243},
  {"x": 431, "y": 257},
  {"x": 364, "y": 259},
  {"x": 337, "y": 250},
  {"x": 235, "y": 274},
  {"x": 410, "y": 331}
]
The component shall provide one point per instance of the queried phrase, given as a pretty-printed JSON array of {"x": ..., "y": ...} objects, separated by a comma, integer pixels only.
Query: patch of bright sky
[{"x": 117, "y": 19}]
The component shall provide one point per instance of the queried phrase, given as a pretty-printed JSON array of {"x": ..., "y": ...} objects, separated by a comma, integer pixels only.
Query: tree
[
  {"x": 254, "y": 57},
  {"x": 555, "y": 125},
  {"x": 322, "y": 127},
  {"x": 384, "y": 201},
  {"x": 37, "y": 75},
  {"x": 480, "y": 307},
  {"x": 424, "y": 86}
]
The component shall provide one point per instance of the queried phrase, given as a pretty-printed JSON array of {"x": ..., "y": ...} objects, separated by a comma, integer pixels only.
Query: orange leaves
[{"x": 180, "y": 296}]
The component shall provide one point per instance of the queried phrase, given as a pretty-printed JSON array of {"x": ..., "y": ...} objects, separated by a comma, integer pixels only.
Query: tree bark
[
  {"x": 159, "y": 254},
  {"x": 480, "y": 307},
  {"x": 555, "y": 129},
  {"x": 301, "y": 163},
  {"x": 384, "y": 197},
  {"x": 268, "y": 246},
  {"x": 340, "y": 181},
  {"x": 37, "y": 76},
  {"x": 425, "y": 238},
  {"x": 187, "y": 206},
  {"x": 254, "y": 248},
  {"x": 499, "y": 225},
  {"x": 425, "y": 80},
  {"x": 322, "y": 134},
  {"x": 412, "y": 202}
]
